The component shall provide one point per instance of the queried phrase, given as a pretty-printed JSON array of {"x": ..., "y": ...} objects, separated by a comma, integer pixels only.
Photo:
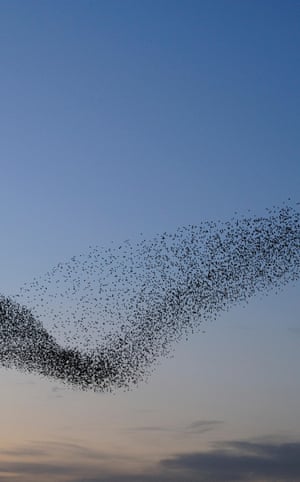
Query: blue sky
[{"x": 121, "y": 117}]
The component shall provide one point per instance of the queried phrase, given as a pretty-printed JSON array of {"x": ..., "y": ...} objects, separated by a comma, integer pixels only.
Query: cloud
[
  {"x": 34, "y": 468},
  {"x": 45, "y": 461},
  {"x": 234, "y": 461},
  {"x": 24, "y": 452},
  {"x": 201, "y": 426},
  {"x": 197, "y": 427},
  {"x": 241, "y": 461},
  {"x": 151, "y": 428},
  {"x": 49, "y": 448}
]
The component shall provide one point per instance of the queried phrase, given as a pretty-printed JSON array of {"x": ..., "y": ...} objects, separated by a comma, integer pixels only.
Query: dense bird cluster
[{"x": 103, "y": 319}]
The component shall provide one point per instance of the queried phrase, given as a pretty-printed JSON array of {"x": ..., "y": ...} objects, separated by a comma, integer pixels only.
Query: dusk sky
[{"x": 121, "y": 117}]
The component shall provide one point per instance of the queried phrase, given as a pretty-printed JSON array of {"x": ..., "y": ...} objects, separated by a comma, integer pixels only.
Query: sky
[{"x": 127, "y": 117}]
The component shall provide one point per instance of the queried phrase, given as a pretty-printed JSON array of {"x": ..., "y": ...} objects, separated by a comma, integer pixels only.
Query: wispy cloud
[
  {"x": 201, "y": 426},
  {"x": 53, "y": 448},
  {"x": 152, "y": 428},
  {"x": 45, "y": 461},
  {"x": 196, "y": 427}
]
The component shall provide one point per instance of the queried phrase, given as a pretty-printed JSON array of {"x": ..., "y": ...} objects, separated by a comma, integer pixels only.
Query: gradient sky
[{"x": 122, "y": 117}]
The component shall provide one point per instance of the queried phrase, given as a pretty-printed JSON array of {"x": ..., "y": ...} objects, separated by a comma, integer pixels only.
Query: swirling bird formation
[{"x": 103, "y": 319}]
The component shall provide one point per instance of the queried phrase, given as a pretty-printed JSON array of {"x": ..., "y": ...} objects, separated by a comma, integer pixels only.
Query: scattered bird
[{"x": 103, "y": 319}]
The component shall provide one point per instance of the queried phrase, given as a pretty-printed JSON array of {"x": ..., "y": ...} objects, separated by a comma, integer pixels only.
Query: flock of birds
[{"x": 103, "y": 319}]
